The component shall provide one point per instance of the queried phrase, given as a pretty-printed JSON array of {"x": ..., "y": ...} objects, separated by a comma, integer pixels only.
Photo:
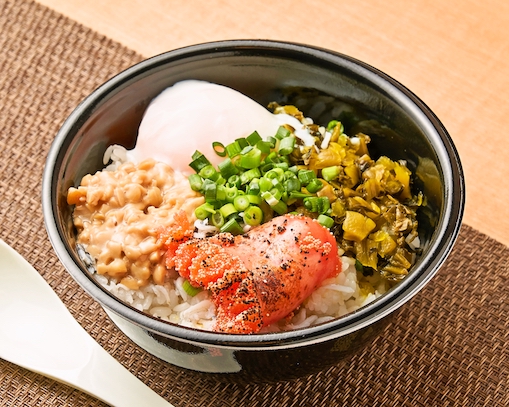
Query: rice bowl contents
[{"x": 125, "y": 213}]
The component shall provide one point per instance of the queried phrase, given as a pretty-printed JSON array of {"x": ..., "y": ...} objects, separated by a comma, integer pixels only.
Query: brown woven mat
[{"x": 447, "y": 347}]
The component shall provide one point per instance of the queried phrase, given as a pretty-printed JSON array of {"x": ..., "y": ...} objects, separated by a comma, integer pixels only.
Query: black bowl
[{"x": 322, "y": 84}]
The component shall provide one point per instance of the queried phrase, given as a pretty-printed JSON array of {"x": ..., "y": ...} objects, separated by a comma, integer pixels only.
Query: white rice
[{"x": 336, "y": 297}]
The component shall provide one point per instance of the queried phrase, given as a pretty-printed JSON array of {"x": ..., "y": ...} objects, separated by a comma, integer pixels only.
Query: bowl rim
[{"x": 448, "y": 227}]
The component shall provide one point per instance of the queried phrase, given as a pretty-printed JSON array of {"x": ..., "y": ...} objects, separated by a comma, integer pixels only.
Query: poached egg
[{"x": 193, "y": 114}]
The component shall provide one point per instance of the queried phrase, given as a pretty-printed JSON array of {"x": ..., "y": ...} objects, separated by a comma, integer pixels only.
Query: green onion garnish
[
  {"x": 286, "y": 145},
  {"x": 253, "y": 138},
  {"x": 233, "y": 149},
  {"x": 326, "y": 221},
  {"x": 249, "y": 175},
  {"x": 204, "y": 210},
  {"x": 209, "y": 172},
  {"x": 199, "y": 161},
  {"x": 241, "y": 203},
  {"x": 219, "y": 148},
  {"x": 257, "y": 174},
  {"x": 242, "y": 142},
  {"x": 282, "y": 132},
  {"x": 196, "y": 182},
  {"x": 227, "y": 169},
  {"x": 280, "y": 208},
  {"x": 250, "y": 157},
  {"x": 264, "y": 147},
  {"x": 232, "y": 226},
  {"x": 254, "y": 199},
  {"x": 253, "y": 216},
  {"x": 217, "y": 219},
  {"x": 209, "y": 191},
  {"x": 314, "y": 185},
  {"x": 231, "y": 193},
  {"x": 227, "y": 210},
  {"x": 305, "y": 176},
  {"x": 234, "y": 180},
  {"x": 317, "y": 204},
  {"x": 189, "y": 289},
  {"x": 330, "y": 173},
  {"x": 292, "y": 184},
  {"x": 272, "y": 141},
  {"x": 332, "y": 124}
]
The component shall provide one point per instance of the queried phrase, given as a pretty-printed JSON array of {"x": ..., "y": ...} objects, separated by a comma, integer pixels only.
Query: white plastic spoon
[{"x": 38, "y": 333}]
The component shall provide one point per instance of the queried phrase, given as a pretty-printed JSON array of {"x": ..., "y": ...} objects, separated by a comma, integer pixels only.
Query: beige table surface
[{"x": 452, "y": 54}]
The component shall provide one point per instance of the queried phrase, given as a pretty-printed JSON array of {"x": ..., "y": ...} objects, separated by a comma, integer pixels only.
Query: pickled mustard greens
[{"x": 367, "y": 204}]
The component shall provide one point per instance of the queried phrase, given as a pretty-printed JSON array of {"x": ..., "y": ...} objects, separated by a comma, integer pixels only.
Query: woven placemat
[{"x": 446, "y": 347}]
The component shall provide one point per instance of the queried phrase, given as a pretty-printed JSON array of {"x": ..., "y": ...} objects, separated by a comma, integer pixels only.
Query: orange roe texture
[{"x": 258, "y": 278}]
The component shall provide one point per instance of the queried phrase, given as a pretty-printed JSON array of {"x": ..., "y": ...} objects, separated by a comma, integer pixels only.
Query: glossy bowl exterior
[{"x": 324, "y": 85}]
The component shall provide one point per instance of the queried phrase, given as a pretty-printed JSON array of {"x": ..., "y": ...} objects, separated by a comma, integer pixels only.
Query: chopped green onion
[
  {"x": 280, "y": 208},
  {"x": 251, "y": 158},
  {"x": 196, "y": 182},
  {"x": 278, "y": 185},
  {"x": 266, "y": 167},
  {"x": 220, "y": 193},
  {"x": 299, "y": 195},
  {"x": 275, "y": 173},
  {"x": 277, "y": 193},
  {"x": 305, "y": 176},
  {"x": 284, "y": 159},
  {"x": 217, "y": 219},
  {"x": 272, "y": 141},
  {"x": 282, "y": 132},
  {"x": 231, "y": 193},
  {"x": 241, "y": 203},
  {"x": 272, "y": 158},
  {"x": 253, "y": 138},
  {"x": 232, "y": 226},
  {"x": 314, "y": 185},
  {"x": 254, "y": 187},
  {"x": 209, "y": 172},
  {"x": 330, "y": 173},
  {"x": 286, "y": 145},
  {"x": 219, "y": 149},
  {"x": 199, "y": 161},
  {"x": 253, "y": 216},
  {"x": 220, "y": 180},
  {"x": 227, "y": 210},
  {"x": 196, "y": 154},
  {"x": 226, "y": 168},
  {"x": 265, "y": 184},
  {"x": 289, "y": 174},
  {"x": 234, "y": 180},
  {"x": 254, "y": 199},
  {"x": 204, "y": 210},
  {"x": 247, "y": 176},
  {"x": 359, "y": 266},
  {"x": 326, "y": 221},
  {"x": 332, "y": 124},
  {"x": 242, "y": 142},
  {"x": 283, "y": 165},
  {"x": 317, "y": 204},
  {"x": 210, "y": 191},
  {"x": 233, "y": 149},
  {"x": 263, "y": 146},
  {"x": 292, "y": 184},
  {"x": 246, "y": 149},
  {"x": 269, "y": 198},
  {"x": 190, "y": 289}
]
